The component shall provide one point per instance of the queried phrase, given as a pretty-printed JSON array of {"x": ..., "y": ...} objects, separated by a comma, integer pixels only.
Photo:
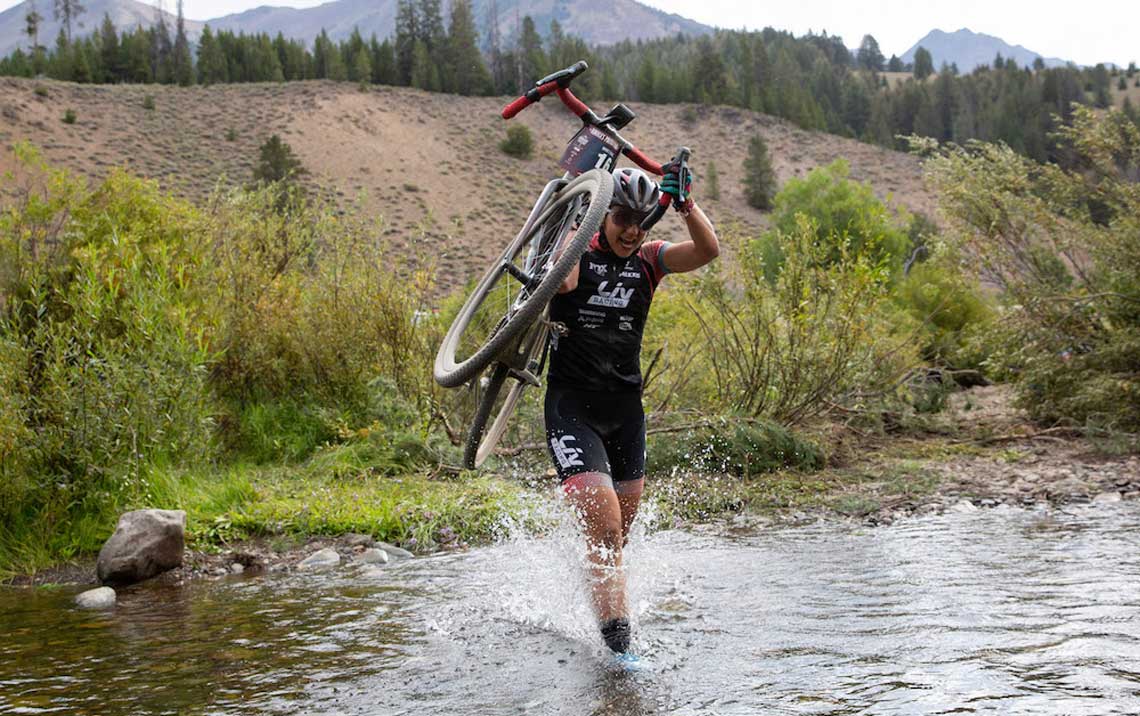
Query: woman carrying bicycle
[{"x": 595, "y": 423}]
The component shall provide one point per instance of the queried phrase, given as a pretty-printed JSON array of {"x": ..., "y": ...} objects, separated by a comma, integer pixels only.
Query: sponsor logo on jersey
[
  {"x": 566, "y": 455},
  {"x": 599, "y": 269},
  {"x": 617, "y": 297},
  {"x": 625, "y": 326},
  {"x": 631, "y": 273}
]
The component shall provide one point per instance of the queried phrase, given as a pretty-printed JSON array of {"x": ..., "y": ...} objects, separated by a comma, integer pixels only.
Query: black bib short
[{"x": 594, "y": 418}]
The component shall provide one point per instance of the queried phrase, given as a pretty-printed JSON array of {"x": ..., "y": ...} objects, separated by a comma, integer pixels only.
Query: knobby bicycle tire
[
  {"x": 481, "y": 440},
  {"x": 449, "y": 373}
]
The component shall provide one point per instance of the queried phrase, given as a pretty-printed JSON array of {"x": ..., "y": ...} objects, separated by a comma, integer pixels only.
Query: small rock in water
[
  {"x": 326, "y": 557},
  {"x": 100, "y": 598},
  {"x": 237, "y": 568},
  {"x": 1106, "y": 497},
  {"x": 395, "y": 551},
  {"x": 218, "y": 572},
  {"x": 374, "y": 556},
  {"x": 964, "y": 506}
]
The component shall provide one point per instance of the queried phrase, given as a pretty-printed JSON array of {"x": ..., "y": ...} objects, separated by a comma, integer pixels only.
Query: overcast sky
[{"x": 1086, "y": 32}]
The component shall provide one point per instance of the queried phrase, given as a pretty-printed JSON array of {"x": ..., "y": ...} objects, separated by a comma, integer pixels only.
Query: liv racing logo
[
  {"x": 617, "y": 297},
  {"x": 567, "y": 455}
]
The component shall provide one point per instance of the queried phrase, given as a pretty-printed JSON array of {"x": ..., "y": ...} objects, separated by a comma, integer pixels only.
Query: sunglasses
[{"x": 624, "y": 216}]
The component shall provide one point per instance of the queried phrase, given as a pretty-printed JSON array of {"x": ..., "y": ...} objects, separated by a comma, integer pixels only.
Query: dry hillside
[{"x": 429, "y": 164}]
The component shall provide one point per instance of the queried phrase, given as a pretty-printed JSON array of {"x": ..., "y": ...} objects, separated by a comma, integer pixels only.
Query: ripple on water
[{"x": 1030, "y": 612}]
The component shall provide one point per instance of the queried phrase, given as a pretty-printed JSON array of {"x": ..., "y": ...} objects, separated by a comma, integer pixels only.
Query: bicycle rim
[{"x": 520, "y": 283}]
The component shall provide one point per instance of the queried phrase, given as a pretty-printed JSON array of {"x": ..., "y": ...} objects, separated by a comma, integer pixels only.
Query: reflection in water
[{"x": 1016, "y": 613}]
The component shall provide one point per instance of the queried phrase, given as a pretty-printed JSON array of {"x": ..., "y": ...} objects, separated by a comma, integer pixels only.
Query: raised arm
[{"x": 701, "y": 248}]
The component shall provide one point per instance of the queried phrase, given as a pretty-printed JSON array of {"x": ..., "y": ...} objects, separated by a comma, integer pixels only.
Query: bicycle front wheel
[{"x": 520, "y": 283}]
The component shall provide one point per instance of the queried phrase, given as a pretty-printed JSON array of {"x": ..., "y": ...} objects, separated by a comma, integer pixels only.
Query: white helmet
[{"x": 634, "y": 188}]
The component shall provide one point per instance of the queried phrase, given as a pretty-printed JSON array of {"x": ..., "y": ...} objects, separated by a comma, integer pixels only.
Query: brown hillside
[{"x": 428, "y": 163}]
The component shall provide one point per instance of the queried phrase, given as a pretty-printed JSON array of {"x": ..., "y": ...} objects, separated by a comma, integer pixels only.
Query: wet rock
[
  {"x": 964, "y": 507},
  {"x": 100, "y": 598},
  {"x": 322, "y": 559},
  {"x": 145, "y": 543},
  {"x": 218, "y": 572},
  {"x": 394, "y": 551},
  {"x": 1108, "y": 497},
  {"x": 373, "y": 556},
  {"x": 237, "y": 567}
]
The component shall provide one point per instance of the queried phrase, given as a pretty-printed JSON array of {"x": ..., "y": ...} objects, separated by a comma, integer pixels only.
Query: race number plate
[{"x": 590, "y": 148}]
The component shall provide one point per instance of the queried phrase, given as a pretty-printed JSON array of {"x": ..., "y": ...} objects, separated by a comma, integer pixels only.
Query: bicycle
[{"x": 567, "y": 214}]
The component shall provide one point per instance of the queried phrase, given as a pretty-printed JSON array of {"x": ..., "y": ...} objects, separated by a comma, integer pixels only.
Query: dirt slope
[{"x": 428, "y": 163}]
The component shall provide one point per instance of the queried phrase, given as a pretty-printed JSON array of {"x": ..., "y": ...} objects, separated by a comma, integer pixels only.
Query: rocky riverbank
[{"x": 979, "y": 454}]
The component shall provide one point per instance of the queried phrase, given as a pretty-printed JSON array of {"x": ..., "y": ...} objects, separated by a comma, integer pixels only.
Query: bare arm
[{"x": 701, "y": 248}]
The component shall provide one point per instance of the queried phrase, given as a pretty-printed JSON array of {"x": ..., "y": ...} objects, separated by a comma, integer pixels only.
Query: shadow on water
[{"x": 1014, "y": 613}]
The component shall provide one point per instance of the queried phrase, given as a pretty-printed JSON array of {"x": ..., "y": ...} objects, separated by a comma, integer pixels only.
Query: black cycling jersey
[{"x": 605, "y": 316}]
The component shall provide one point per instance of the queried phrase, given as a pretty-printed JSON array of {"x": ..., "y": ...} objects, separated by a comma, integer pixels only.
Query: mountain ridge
[{"x": 969, "y": 49}]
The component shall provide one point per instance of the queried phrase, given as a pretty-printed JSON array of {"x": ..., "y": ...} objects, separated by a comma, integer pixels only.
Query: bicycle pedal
[{"x": 525, "y": 376}]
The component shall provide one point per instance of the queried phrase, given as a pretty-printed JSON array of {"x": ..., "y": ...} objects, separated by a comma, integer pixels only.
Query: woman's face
[{"x": 623, "y": 230}]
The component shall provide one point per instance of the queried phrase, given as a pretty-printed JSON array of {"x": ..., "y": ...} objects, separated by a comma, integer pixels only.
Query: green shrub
[
  {"x": 148, "y": 102},
  {"x": 785, "y": 351},
  {"x": 734, "y": 446},
  {"x": 950, "y": 307},
  {"x": 69, "y": 116},
  {"x": 519, "y": 142},
  {"x": 138, "y": 332},
  {"x": 846, "y": 217},
  {"x": 41, "y": 91},
  {"x": 1062, "y": 248},
  {"x": 231, "y": 134}
]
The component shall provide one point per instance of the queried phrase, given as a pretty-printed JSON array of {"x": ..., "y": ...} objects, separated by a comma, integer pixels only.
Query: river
[{"x": 999, "y": 611}]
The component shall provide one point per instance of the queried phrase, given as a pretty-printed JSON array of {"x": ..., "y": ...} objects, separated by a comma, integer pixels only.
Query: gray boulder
[
  {"x": 320, "y": 559},
  {"x": 100, "y": 598},
  {"x": 146, "y": 543},
  {"x": 374, "y": 556},
  {"x": 394, "y": 551}
]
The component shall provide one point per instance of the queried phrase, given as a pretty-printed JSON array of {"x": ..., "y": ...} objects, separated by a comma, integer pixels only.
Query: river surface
[{"x": 1003, "y": 612}]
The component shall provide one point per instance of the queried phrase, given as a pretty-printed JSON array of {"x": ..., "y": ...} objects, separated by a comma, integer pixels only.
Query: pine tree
[
  {"x": 277, "y": 162},
  {"x": 183, "y": 63},
  {"x": 407, "y": 32},
  {"x": 531, "y": 56},
  {"x": 211, "y": 61},
  {"x": 61, "y": 67},
  {"x": 759, "y": 179},
  {"x": 869, "y": 57},
  {"x": 32, "y": 22},
  {"x": 425, "y": 75},
  {"x": 895, "y": 64},
  {"x": 646, "y": 80},
  {"x": 162, "y": 50},
  {"x": 67, "y": 11},
  {"x": 383, "y": 62},
  {"x": 111, "y": 70},
  {"x": 469, "y": 74},
  {"x": 923, "y": 64}
]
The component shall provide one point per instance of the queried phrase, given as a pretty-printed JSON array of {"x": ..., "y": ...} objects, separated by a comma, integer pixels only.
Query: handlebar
[{"x": 559, "y": 83}]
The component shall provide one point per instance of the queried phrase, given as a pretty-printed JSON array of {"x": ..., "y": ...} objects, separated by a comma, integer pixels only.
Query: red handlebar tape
[
  {"x": 525, "y": 101},
  {"x": 643, "y": 161}
]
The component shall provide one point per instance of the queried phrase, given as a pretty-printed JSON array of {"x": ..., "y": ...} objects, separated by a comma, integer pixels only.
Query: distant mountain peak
[{"x": 968, "y": 50}]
